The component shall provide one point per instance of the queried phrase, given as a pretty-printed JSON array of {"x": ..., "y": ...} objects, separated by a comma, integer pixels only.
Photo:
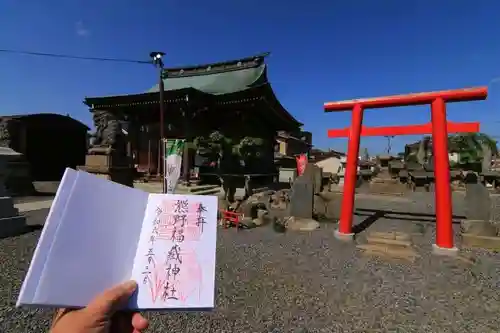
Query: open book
[{"x": 99, "y": 234}]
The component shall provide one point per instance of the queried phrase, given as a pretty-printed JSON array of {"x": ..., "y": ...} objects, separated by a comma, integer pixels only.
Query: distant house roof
[
  {"x": 386, "y": 157},
  {"x": 278, "y": 155},
  {"x": 288, "y": 136},
  {"x": 319, "y": 155}
]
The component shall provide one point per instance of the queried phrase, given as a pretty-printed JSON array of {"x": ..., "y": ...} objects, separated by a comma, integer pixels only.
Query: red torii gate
[
  {"x": 439, "y": 128},
  {"x": 451, "y": 127}
]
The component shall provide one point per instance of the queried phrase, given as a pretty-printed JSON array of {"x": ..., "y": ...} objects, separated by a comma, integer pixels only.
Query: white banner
[{"x": 173, "y": 149}]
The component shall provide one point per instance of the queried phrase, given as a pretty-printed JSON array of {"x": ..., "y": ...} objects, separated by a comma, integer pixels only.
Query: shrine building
[{"x": 232, "y": 97}]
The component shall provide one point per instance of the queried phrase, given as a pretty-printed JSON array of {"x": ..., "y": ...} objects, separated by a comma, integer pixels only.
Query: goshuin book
[{"x": 99, "y": 234}]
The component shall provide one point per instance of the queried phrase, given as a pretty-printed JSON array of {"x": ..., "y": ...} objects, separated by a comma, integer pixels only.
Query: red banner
[{"x": 301, "y": 163}]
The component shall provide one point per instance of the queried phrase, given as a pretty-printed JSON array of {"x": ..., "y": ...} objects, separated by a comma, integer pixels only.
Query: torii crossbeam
[
  {"x": 451, "y": 127},
  {"x": 439, "y": 127}
]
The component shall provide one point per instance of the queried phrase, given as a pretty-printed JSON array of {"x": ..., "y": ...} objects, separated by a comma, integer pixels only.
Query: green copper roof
[
  {"x": 216, "y": 79},
  {"x": 223, "y": 81}
]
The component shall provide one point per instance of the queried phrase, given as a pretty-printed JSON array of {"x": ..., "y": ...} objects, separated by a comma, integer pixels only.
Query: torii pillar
[{"x": 437, "y": 100}]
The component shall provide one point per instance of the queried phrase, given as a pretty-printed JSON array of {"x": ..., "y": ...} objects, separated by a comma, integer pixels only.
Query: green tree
[{"x": 469, "y": 146}]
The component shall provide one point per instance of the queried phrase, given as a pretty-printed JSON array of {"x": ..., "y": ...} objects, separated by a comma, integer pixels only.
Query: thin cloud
[{"x": 81, "y": 30}]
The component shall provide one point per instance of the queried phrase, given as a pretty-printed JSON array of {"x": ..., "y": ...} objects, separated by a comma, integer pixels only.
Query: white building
[{"x": 333, "y": 164}]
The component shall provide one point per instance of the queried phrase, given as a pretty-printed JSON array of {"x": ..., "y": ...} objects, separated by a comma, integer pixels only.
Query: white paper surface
[
  {"x": 88, "y": 244},
  {"x": 175, "y": 260},
  {"x": 98, "y": 234},
  {"x": 30, "y": 284}
]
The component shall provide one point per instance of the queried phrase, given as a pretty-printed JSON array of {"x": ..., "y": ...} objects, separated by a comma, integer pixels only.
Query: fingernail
[{"x": 130, "y": 285}]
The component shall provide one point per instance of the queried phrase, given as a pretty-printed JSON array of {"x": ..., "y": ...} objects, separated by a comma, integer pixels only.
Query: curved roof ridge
[
  {"x": 216, "y": 67},
  {"x": 218, "y": 82}
]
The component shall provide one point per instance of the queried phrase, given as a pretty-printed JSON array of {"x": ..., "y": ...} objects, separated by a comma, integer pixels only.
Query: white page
[
  {"x": 95, "y": 244},
  {"x": 177, "y": 254},
  {"x": 30, "y": 284}
]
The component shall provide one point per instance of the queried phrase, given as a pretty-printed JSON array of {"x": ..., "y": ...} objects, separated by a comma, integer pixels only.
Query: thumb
[{"x": 112, "y": 300}]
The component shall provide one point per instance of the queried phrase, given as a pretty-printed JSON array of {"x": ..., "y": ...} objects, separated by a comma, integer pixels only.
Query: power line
[{"x": 67, "y": 56}]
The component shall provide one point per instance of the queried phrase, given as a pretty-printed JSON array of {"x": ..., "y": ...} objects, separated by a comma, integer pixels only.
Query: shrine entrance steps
[
  {"x": 156, "y": 187},
  {"x": 198, "y": 189}
]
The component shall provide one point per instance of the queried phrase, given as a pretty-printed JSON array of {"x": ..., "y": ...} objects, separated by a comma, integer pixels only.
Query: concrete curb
[{"x": 34, "y": 205}]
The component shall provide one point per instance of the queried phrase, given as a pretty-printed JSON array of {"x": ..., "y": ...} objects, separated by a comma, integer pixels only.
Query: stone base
[
  {"x": 344, "y": 237},
  {"x": 7, "y": 208},
  {"x": 120, "y": 175},
  {"x": 12, "y": 226},
  {"x": 11, "y": 223},
  {"x": 478, "y": 228},
  {"x": 442, "y": 251},
  {"x": 483, "y": 242},
  {"x": 301, "y": 224}
]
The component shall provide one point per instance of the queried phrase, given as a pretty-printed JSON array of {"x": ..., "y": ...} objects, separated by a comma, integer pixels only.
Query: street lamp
[{"x": 158, "y": 62}]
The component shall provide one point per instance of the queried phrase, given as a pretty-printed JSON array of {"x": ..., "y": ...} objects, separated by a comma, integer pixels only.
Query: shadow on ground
[{"x": 373, "y": 215}]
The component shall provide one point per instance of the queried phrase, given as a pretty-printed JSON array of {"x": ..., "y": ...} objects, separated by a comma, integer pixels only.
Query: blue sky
[{"x": 321, "y": 50}]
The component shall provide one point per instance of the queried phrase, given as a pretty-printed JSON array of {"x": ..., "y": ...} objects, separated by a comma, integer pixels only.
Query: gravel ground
[{"x": 309, "y": 282}]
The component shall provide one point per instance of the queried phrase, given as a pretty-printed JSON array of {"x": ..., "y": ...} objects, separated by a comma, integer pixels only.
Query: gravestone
[
  {"x": 477, "y": 199},
  {"x": 301, "y": 199},
  {"x": 11, "y": 223},
  {"x": 477, "y": 208},
  {"x": 422, "y": 153},
  {"x": 317, "y": 177},
  {"x": 315, "y": 174},
  {"x": 487, "y": 156}
]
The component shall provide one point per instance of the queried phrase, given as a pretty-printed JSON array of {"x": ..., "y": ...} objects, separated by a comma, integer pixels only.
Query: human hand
[{"x": 102, "y": 315}]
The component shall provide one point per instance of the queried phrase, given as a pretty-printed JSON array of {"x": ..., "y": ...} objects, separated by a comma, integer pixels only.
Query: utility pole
[
  {"x": 389, "y": 147},
  {"x": 157, "y": 61}
]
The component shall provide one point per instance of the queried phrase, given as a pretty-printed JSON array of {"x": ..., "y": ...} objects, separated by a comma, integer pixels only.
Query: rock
[
  {"x": 478, "y": 228},
  {"x": 263, "y": 217},
  {"x": 247, "y": 222},
  {"x": 250, "y": 209},
  {"x": 328, "y": 204},
  {"x": 279, "y": 205},
  {"x": 279, "y": 225},
  {"x": 261, "y": 213},
  {"x": 301, "y": 224}
]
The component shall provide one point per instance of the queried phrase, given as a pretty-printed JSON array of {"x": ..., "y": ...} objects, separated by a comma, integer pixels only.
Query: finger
[
  {"x": 139, "y": 323},
  {"x": 59, "y": 313},
  {"x": 113, "y": 299}
]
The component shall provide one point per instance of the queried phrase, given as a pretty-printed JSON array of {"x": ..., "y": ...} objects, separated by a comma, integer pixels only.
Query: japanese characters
[{"x": 171, "y": 268}]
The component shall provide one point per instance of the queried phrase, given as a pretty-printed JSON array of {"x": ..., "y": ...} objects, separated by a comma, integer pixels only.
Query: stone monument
[
  {"x": 422, "y": 152},
  {"x": 11, "y": 223},
  {"x": 477, "y": 198},
  {"x": 301, "y": 207},
  {"x": 302, "y": 197},
  {"x": 108, "y": 156},
  {"x": 19, "y": 181},
  {"x": 477, "y": 208},
  {"x": 487, "y": 156}
]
